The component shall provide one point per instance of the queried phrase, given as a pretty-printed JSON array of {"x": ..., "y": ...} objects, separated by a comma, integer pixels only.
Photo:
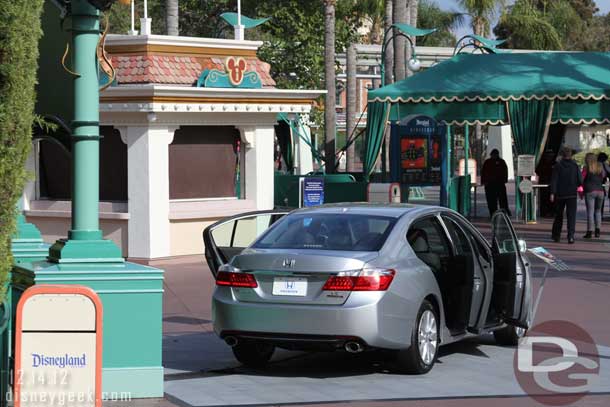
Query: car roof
[{"x": 395, "y": 210}]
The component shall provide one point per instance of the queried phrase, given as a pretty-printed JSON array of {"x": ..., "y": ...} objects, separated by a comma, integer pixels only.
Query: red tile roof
[{"x": 176, "y": 70}]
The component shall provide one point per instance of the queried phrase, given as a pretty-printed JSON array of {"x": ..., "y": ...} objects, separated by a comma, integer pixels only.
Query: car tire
[
  {"x": 253, "y": 353},
  {"x": 509, "y": 335},
  {"x": 421, "y": 355}
]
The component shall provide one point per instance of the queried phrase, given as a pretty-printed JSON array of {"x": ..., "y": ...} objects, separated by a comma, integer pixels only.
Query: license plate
[{"x": 290, "y": 286}]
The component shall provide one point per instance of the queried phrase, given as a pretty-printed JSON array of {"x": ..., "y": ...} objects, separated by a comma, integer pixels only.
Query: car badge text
[{"x": 289, "y": 263}]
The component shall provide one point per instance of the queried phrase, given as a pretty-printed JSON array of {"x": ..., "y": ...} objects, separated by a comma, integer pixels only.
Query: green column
[
  {"x": 466, "y": 183},
  {"x": 466, "y": 150},
  {"x": 85, "y": 243},
  {"x": 85, "y": 127}
]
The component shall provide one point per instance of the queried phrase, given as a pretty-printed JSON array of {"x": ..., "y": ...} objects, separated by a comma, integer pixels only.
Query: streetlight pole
[
  {"x": 85, "y": 242},
  {"x": 407, "y": 31},
  {"x": 400, "y": 30}
]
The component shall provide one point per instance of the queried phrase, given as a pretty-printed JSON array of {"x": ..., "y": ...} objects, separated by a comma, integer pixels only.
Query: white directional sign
[
  {"x": 58, "y": 347},
  {"x": 526, "y": 165}
]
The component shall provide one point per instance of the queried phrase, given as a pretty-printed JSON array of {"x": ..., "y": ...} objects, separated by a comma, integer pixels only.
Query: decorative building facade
[{"x": 188, "y": 138}]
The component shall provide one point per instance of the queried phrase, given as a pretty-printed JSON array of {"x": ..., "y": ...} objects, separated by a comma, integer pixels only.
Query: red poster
[{"x": 413, "y": 153}]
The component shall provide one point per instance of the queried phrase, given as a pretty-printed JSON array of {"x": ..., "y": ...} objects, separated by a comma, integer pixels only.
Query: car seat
[{"x": 418, "y": 239}]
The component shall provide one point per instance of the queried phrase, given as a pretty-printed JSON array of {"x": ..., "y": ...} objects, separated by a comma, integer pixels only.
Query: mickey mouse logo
[{"x": 235, "y": 68}]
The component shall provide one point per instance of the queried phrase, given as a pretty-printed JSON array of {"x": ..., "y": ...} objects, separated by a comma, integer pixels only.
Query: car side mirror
[{"x": 522, "y": 246}]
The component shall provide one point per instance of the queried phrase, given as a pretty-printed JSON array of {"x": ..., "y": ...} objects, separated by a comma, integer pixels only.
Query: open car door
[
  {"x": 473, "y": 259},
  {"x": 511, "y": 273},
  {"x": 228, "y": 237}
]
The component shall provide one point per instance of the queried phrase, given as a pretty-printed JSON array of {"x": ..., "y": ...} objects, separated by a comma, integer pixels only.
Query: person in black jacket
[
  {"x": 494, "y": 176},
  {"x": 565, "y": 181}
]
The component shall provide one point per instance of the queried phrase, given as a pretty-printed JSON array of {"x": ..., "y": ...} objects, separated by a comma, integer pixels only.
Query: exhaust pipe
[
  {"x": 353, "y": 347},
  {"x": 231, "y": 341}
]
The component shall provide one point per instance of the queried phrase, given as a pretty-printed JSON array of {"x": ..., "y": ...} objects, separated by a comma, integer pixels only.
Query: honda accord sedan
[{"x": 358, "y": 277}]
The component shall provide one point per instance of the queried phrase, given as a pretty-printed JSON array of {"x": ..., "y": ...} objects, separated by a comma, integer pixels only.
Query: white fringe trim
[{"x": 488, "y": 98}]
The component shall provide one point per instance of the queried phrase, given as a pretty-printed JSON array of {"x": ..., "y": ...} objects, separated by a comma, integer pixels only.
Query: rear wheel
[
  {"x": 509, "y": 335},
  {"x": 253, "y": 353},
  {"x": 421, "y": 355}
]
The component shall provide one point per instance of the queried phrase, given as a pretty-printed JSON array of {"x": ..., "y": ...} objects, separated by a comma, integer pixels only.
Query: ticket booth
[{"x": 418, "y": 158}]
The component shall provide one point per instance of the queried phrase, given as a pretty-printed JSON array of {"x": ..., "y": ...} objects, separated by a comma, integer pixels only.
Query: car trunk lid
[{"x": 284, "y": 276}]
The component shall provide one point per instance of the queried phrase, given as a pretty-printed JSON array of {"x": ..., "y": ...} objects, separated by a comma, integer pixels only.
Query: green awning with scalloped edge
[{"x": 475, "y": 88}]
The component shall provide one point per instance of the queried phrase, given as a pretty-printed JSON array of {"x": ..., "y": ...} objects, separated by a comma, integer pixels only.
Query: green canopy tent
[{"x": 529, "y": 91}]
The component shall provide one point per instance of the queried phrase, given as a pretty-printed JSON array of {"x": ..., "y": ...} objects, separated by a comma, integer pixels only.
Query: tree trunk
[
  {"x": 330, "y": 122},
  {"x": 400, "y": 16},
  {"x": 351, "y": 111},
  {"x": 412, "y": 17},
  {"x": 388, "y": 61},
  {"x": 171, "y": 17},
  {"x": 478, "y": 28}
]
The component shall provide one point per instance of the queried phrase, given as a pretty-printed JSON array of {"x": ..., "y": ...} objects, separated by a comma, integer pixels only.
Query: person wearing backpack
[
  {"x": 593, "y": 187},
  {"x": 565, "y": 180}
]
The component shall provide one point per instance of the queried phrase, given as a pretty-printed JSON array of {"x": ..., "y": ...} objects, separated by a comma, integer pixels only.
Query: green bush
[
  {"x": 19, "y": 35},
  {"x": 580, "y": 157}
]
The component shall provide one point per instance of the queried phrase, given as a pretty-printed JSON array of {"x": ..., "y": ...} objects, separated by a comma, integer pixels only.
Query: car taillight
[
  {"x": 229, "y": 279},
  {"x": 366, "y": 280}
]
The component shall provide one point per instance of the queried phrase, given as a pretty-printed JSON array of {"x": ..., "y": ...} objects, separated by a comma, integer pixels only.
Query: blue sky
[{"x": 603, "y": 5}]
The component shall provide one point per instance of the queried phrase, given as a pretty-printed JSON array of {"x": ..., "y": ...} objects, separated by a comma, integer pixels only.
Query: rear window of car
[{"x": 350, "y": 232}]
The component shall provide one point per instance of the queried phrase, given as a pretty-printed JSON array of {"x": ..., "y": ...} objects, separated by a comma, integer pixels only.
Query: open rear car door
[
  {"x": 511, "y": 273},
  {"x": 228, "y": 237}
]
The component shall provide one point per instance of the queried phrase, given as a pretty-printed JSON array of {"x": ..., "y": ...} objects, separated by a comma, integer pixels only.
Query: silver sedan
[{"x": 357, "y": 277}]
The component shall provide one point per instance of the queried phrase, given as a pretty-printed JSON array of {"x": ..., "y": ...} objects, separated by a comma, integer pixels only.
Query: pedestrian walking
[
  {"x": 593, "y": 187},
  {"x": 494, "y": 177},
  {"x": 565, "y": 180},
  {"x": 603, "y": 159}
]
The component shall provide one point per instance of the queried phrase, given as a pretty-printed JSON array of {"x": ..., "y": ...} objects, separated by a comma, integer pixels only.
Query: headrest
[
  {"x": 419, "y": 241},
  {"x": 420, "y": 245}
]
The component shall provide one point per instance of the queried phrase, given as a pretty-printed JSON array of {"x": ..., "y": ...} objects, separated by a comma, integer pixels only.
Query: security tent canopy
[{"x": 528, "y": 91}]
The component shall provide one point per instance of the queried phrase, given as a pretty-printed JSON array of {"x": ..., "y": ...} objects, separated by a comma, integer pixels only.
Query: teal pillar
[
  {"x": 85, "y": 243},
  {"x": 465, "y": 199},
  {"x": 132, "y": 294},
  {"x": 27, "y": 244},
  {"x": 466, "y": 149},
  {"x": 446, "y": 174}
]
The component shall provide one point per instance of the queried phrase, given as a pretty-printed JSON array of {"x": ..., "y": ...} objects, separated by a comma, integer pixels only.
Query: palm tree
[
  {"x": 414, "y": 8},
  {"x": 373, "y": 13},
  {"x": 171, "y": 17},
  {"x": 399, "y": 16},
  {"x": 431, "y": 15},
  {"x": 350, "y": 117},
  {"x": 525, "y": 26},
  {"x": 389, "y": 53},
  {"x": 330, "y": 124},
  {"x": 481, "y": 12}
]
